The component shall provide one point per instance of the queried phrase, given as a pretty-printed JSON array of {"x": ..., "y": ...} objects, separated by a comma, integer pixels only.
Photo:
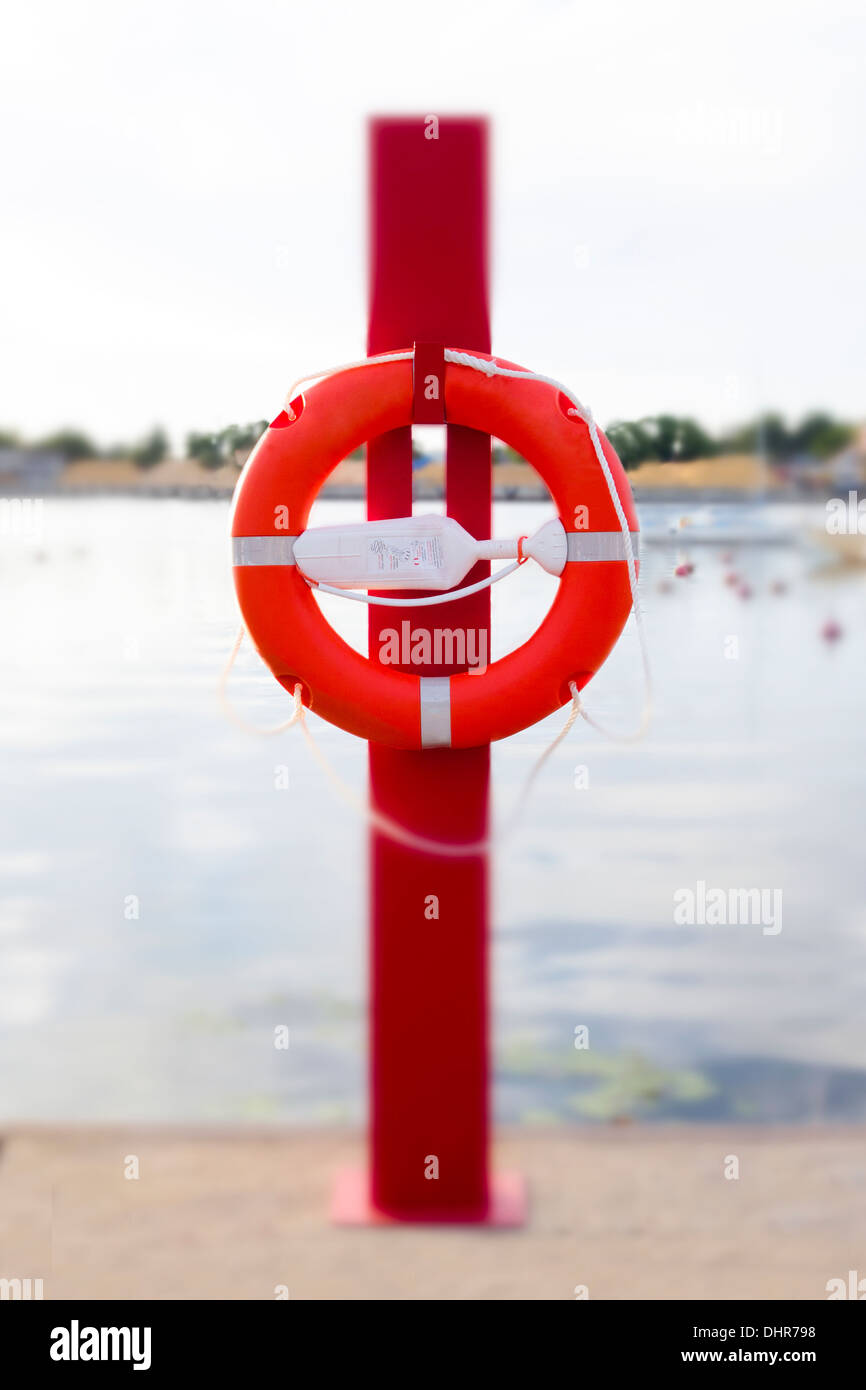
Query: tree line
[
  {"x": 74, "y": 445},
  {"x": 662, "y": 438},
  {"x": 677, "y": 439}
]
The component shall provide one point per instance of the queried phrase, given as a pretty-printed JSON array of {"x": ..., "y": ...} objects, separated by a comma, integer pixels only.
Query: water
[{"x": 167, "y": 903}]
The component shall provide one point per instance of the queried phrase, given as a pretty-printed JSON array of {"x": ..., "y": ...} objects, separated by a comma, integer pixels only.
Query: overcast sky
[{"x": 679, "y": 199}]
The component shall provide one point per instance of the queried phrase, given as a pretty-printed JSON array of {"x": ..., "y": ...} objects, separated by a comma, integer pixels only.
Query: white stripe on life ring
[
  {"x": 435, "y": 711},
  {"x": 263, "y": 550},
  {"x": 599, "y": 545}
]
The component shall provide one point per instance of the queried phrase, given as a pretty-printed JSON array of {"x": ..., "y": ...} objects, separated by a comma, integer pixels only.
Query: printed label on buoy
[{"x": 404, "y": 553}]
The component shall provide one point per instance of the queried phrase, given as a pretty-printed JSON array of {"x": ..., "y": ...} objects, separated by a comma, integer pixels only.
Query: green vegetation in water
[{"x": 626, "y": 1086}]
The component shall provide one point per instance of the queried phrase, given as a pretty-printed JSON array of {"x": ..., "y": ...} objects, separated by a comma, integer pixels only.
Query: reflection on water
[{"x": 166, "y": 902}]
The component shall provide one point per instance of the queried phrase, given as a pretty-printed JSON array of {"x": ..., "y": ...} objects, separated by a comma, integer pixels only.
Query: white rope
[
  {"x": 346, "y": 367},
  {"x": 386, "y": 825},
  {"x": 238, "y": 719},
  {"x": 491, "y": 369},
  {"x": 415, "y": 602},
  {"x": 376, "y": 819}
]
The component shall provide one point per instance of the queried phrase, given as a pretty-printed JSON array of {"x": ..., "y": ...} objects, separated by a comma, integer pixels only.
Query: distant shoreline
[
  {"x": 730, "y": 478},
  {"x": 733, "y": 477},
  {"x": 695, "y": 496}
]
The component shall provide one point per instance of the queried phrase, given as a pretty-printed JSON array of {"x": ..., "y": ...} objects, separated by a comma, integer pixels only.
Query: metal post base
[{"x": 351, "y": 1204}]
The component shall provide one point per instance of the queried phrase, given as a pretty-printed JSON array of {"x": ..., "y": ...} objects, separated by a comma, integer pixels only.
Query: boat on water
[{"x": 725, "y": 524}]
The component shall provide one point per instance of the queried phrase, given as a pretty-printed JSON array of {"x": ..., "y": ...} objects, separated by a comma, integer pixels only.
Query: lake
[{"x": 165, "y": 901}]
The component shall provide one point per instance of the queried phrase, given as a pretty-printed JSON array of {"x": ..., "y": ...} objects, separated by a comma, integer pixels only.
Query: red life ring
[{"x": 272, "y": 503}]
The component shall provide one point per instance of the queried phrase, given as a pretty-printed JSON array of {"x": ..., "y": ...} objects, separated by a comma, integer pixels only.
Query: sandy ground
[{"x": 629, "y": 1213}]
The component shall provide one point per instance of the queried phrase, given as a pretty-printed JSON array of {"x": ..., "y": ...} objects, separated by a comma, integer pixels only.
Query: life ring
[{"x": 272, "y": 503}]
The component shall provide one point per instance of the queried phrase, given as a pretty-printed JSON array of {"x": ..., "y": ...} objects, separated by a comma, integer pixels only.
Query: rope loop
[{"x": 385, "y": 825}]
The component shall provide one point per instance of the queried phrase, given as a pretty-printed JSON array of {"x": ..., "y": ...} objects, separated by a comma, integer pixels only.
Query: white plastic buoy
[{"x": 415, "y": 552}]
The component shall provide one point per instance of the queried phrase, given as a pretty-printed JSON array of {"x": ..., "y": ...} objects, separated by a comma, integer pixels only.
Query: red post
[{"x": 429, "y": 930}]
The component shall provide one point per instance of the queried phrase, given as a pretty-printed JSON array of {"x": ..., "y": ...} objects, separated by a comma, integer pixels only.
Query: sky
[{"x": 679, "y": 200}]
